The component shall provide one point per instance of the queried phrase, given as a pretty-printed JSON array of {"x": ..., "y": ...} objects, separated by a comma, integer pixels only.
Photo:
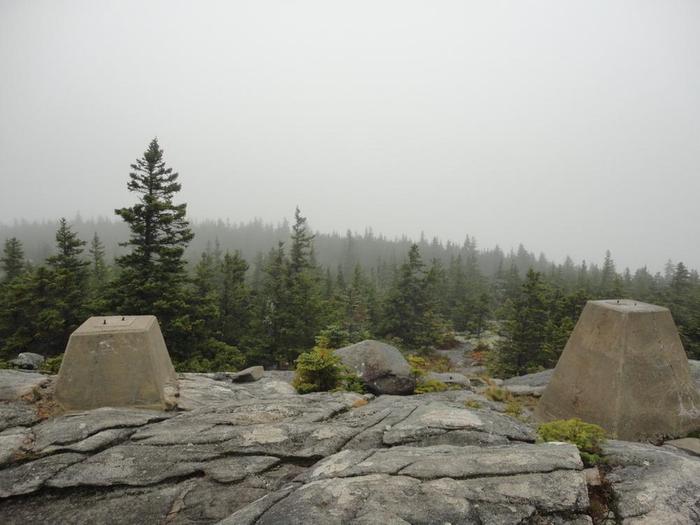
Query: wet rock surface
[{"x": 259, "y": 453}]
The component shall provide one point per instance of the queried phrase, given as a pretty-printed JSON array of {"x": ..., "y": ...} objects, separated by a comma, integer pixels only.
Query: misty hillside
[{"x": 256, "y": 238}]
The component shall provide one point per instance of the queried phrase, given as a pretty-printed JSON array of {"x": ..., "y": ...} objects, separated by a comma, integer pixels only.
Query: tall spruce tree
[
  {"x": 304, "y": 292},
  {"x": 152, "y": 277},
  {"x": 234, "y": 300},
  {"x": 12, "y": 260},
  {"x": 409, "y": 309},
  {"x": 70, "y": 282},
  {"x": 525, "y": 330},
  {"x": 99, "y": 277}
]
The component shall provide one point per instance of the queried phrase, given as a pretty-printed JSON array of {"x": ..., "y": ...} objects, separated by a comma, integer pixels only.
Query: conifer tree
[
  {"x": 70, "y": 282},
  {"x": 234, "y": 302},
  {"x": 304, "y": 293},
  {"x": 12, "y": 260},
  {"x": 525, "y": 331},
  {"x": 608, "y": 286},
  {"x": 274, "y": 305},
  {"x": 44, "y": 307},
  {"x": 98, "y": 277},
  {"x": 409, "y": 310},
  {"x": 152, "y": 277}
]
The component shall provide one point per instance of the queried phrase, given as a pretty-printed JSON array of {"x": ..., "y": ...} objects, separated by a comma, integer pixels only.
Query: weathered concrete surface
[
  {"x": 117, "y": 362},
  {"x": 260, "y": 453},
  {"x": 624, "y": 368},
  {"x": 381, "y": 366}
]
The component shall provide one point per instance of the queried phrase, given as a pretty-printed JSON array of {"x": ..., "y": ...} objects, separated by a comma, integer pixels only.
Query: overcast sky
[{"x": 572, "y": 127}]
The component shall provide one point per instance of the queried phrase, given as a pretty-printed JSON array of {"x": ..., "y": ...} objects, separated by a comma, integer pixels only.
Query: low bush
[
  {"x": 514, "y": 408},
  {"x": 430, "y": 362},
  {"x": 431, "y": 385},
  {"x": 418, "y": 364},
  {"x": 495, "y": 393},
  {"x": 587, "y": 437},
  {"x": 319, "y": 370},
  {"x": 215, "y": 356},
  {"x": 479, "y": 353},
  {"x": 351, "y": 382},
  {"x": 52, "y": 365}
]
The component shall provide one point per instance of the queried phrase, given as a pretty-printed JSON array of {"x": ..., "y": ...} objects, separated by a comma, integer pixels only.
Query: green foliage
[
  {"x": 335, "y": 289},
  {"x": 52, "y": 365},
  {"x": 12, "y": 260},
  {"x": 351, "y": 382},
  {"x": 587, "y": 437},
  {"x": 418, "y": 364},
  {"x": 319, "y": 370},
  {"x": 514, "y": 408},
  {"x": 98, "y": 278},
  {"x": 152, "y": 277},
  {"x": 431, "y": 385},
  {"x": 409, "y": 310},
  {"x": 495, "y": 393},
  {"x": 428, "y": 362},
  {"x": 40, "y": 308},
  {"x": 472, "y": 403},
  {"x": 291, "y": 299},
  {"x": 539, "y": 320},
  {"x": 333, "y": 336}
]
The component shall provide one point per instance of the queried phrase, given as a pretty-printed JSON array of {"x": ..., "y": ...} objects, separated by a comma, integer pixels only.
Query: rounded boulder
[{"x": 382, "y": 367}]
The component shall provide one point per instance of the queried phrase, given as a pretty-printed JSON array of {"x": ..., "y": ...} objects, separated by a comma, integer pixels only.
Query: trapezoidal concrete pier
[
  {"x": 624, "y": 368},
  {"x": 117, "y": 361}
]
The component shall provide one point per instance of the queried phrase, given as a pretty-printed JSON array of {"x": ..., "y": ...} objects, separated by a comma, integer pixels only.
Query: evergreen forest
[{"x": 231, "y": 295}]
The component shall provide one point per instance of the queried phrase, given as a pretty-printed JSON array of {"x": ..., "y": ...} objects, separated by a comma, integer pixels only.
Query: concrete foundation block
[
  {"x": 117, "y": 362},
  {"x": 624, "y": 368}
]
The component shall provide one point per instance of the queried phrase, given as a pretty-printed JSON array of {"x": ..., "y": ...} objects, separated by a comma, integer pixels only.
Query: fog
[{"x": 572, "y": 127}]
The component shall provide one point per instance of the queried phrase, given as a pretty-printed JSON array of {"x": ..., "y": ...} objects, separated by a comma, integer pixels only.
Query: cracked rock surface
[{"x": 258, "y": 453}]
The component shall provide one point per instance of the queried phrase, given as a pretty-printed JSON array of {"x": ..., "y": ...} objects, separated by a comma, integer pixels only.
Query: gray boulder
[
  {"x": 248, "y": 375},
  {"x": 28, "y": 361},
  {"x": 381, "y": 366}
]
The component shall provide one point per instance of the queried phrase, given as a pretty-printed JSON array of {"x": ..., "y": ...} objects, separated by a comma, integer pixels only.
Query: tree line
[{"x": 227, "y": 309}]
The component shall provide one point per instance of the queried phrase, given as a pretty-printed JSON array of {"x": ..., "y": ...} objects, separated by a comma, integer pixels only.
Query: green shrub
[
  {"x": 213, "y": 356},
  {"x": 431, "y": 385},
  {"x": 514, "y": 408},
  {"x": 472, "y": 403},
  {"x": 351, "y": 382},
  {"x": 52, "y": 365},
  {"x": 418, "y": 365},
  {"x": 495, "y": 393},
  {"x": 587, "y": 437},
  {"x": 319, "y": 370}
]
